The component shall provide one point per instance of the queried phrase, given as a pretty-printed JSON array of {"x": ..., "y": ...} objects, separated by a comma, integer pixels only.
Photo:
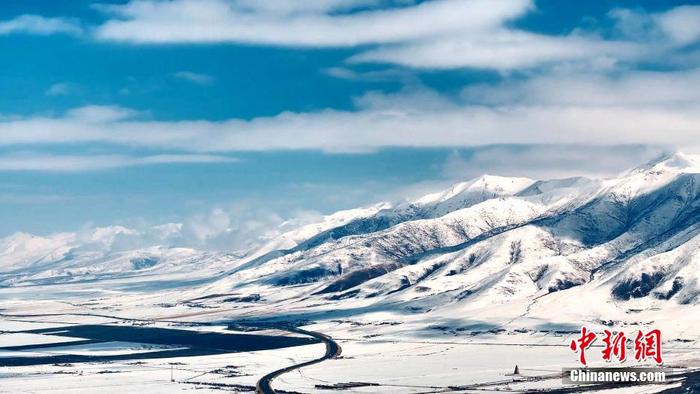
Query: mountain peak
[
  {"x": 677, "y": 161},
  {"x": 511, "y": 184},
  {"x": 490, "y": 183}
]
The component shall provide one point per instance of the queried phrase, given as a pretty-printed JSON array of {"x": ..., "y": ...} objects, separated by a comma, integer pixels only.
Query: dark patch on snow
[
  {"x": 473, "y": 260},
  {"x": 690, "y": 298},
  {"x": 516, "y": 252},
  {"x": 675, "y": 288},
  {"x": 358, "y": 277},
  {"x": 381, "y": 221},
  {"x": 563, "y": 284},
  {"x": 538, "y": 274},
  {"x": 342, "y": 296},
  {"x": 309, "y": 275},
  {"x": 344, "y": 386},
  {"x": 464, "y": 294},
  {"x": 406, "y": 282},
  {"x": 140, "y": 263},
  {"x": 637, "y": 287},
  {"x": 608, "y": 323},
  {"x": 248, "y": 298}
]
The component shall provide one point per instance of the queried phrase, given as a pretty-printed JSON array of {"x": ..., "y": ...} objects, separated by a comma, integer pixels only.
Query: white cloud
[
  {"x": 632, "y": 108},
  {"x": 197, "y": 78},
  {"x": 549, "y": 161},
  {"x": 39, "y": 25},
  {"x": 206, "y": 21},
  {"x": 72, "y": 163},
  {"x": 678, "y": 26},
  {"x": 501, "y": 50},
  {"x": 629, "y": 90},
  {"x": 101, "y": 114},
  {"x": 290, "y": 7},
  {"x": 440, "y": 34},
  {"x": 682, "y": 24},
  {"x": 209, "y": 226},
  {"x": 392, "y": 74},
  {"x": 60, "y": 89},
  {"x": 239, "y": 226}
]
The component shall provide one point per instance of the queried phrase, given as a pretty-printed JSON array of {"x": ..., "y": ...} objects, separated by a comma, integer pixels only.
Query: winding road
[
  {"x": 333, "y": 350},
  {"x": 264, "y": 384}
]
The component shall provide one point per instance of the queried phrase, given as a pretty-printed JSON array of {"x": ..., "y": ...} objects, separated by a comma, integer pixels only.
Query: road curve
[{"x": 333, "y": 350}]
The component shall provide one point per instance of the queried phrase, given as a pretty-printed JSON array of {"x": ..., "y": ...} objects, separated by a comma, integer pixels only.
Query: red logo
[
  {"x": 615, "y": 346},
  {"x": 584, "y": 342},
  {"x": 646, "y": 346}
]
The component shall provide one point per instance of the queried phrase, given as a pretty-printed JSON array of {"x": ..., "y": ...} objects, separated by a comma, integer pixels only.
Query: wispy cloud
[
  {"x": 146, "y": 21},
  {"x": 90, "y": 114},
  {"x": 61, "y": 89},
  {"x": 442, "y": 34},
  {"x": 678, "y": 26},
  {"x": 682, "y": 24},
  {"x": 501, "y": 50},
  {"x": 193, "y": 77},
  {"x": 599, "y": 104},
  {"x": 437, "y": 34},
  {"x": 548, "y": 161},
  {"x": 237, "y": 227},
  {"x": 633, "y": 108},
  {"x": 39, "y": 25},
  {"x": 391, "y": 74},
  {"x": 74, "y": 163}
]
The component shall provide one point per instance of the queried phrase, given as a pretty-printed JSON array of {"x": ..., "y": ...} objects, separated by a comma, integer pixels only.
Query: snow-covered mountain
[
  {"x": 100, "y": 254},
  {"x": 632, "y": 242},
  {"x": 501, "y": 241}
]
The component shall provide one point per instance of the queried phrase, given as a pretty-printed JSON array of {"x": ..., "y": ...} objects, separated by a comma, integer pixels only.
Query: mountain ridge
[{"x": 491, "y": 243}]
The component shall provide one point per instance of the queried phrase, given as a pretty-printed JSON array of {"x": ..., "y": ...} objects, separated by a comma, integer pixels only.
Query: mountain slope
[
  {"x": 492, "y": 248},
  {"x": 631, "y": 235}
]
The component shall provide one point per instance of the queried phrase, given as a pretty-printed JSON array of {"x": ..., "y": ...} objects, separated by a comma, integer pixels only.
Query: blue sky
[{"x": 143, "y": 112}]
